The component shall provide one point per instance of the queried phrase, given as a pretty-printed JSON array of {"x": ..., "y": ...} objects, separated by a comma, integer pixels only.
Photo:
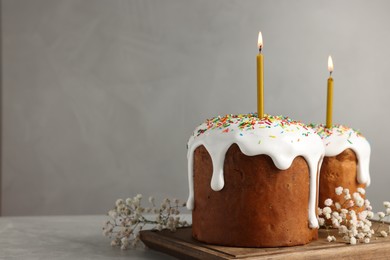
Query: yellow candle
[
  {"x": 260, "y": 79},
  {"x": 329, "y": 103}
]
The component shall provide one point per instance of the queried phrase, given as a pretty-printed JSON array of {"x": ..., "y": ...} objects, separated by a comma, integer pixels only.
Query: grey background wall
[{"x": 100, "y": 97}]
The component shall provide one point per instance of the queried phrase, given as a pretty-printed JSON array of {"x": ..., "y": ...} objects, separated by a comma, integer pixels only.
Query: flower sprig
[
  {"x": 384, "y": 217},
  {"x": 352, "y": 215},
  {"x": 128, "y": 219}
]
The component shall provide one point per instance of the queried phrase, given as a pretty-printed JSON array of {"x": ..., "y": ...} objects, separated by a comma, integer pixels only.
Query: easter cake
[
  {"x": 346, "y": 161},
  {"x": 253, "y": 181}
]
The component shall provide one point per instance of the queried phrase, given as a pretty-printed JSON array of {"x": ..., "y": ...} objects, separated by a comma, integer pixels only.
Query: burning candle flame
[
  {"x": 330, "y": 64},
  {"x": 260, "y": 42}
]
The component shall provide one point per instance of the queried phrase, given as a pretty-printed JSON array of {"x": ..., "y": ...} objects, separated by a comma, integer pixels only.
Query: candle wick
[
  {"x": 260, "y": 49},
  {"x": 330, "y": 73}
]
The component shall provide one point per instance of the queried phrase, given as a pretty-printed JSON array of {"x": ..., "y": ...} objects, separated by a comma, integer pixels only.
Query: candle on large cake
[
  {"x": 253, "y": 178},
  {"x": 253, "y": 181}
]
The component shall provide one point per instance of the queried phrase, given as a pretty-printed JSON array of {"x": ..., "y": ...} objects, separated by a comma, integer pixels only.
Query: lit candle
[
  {"x": 260, "y": 79},
  {"x": 329, "y": 106}
]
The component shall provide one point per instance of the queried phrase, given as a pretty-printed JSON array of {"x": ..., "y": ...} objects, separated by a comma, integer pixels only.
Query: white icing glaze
[
  {"x": 280, "y": 138},
  {"x": 338, "y": 138}
]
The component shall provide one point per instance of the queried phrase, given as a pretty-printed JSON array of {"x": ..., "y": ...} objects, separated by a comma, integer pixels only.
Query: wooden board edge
[{"x": 179, "y": 249}]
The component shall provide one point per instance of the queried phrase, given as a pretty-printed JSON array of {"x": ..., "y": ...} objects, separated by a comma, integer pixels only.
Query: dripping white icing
[
  {"x": 280, "y": 138},
  {"x": 338, "y": 138}
]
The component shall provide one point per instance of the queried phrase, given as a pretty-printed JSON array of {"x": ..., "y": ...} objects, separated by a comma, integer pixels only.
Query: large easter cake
[{"x": 253, "y": 181}]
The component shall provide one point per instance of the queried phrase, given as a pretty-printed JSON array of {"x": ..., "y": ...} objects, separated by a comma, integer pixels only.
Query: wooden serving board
[{"x": 180, "y": 244}]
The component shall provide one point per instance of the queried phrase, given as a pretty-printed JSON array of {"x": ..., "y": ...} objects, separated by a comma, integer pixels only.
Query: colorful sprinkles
[
  {"x": 339, "y": 130},
  {"x": 250, "y": 121},
  {"x": 325, "y": 132}
]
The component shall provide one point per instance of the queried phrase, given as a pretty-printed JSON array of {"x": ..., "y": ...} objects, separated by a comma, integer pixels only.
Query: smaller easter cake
[
  {"x": 253, "y": 182},
  {"x": 346, "y": 161}
]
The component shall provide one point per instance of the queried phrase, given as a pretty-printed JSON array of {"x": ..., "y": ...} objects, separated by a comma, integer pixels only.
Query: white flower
[
  {"x": 319, "y": 211},
  {"x": 352, "y": 241},
  {"x": 381, "y": 215},
  {"x": 370, "y": 214},
  {"x": 383, "y": 233},
  {"x": 361, "y": 191},
  {"x": 136, "y": 201},
  {"x": 139, "y": 196},
  {"x": 335, "y": 223},
  {"x": 366, "y": 240},
  {"x": 387, "y": 211},
  {"x": 346, "y": 191},
  {"x": 339, "y": 190},
  {"x": 327, "y": 210},
  {"x": 350, "y": 203},
  {"x": 386, "y": 204},
  {"x": 367, "y": 222},
  {"x": 362, "y": 215},
  {"x": 159, "y": 227},
  {"x": 331, "y": 238},
  {"x": 343, "y": 229},
  {"x": 366, "y": 228},
  {"x": 119, "y": 202},
  {"x": 321, "y": 221},
  {"x": 328, "y": 202},
  {"x": 151, "y": 199},
  {"x": 359, "y": 202},
  {"x": 106, "y": 232},
  {"x": 164, "y": 206},
  {"x": 347, "y": 196},
  {"x": 112, "y": 213},
  {"x": 356, "y": 195},
  {"x": 352, "y": 231},
  {"x": 129, "y": 201},
  {"x": 337, "y": 205},
  {"x": 125, "y": 241}
]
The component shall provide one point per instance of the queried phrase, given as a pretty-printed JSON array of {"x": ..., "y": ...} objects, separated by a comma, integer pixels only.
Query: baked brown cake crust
[
  {"x": 340, "y": 170},
  {"x": 259, "y": 205}
]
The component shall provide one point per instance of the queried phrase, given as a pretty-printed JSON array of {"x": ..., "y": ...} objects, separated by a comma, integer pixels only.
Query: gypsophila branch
[
  {"x": 352, "y": 215},
  {"x": 128, "y": 219}
]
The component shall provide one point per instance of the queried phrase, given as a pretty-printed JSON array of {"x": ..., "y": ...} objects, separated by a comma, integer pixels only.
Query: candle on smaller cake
[
  {"x": 347, "y": 154},
  {"x": 329, "y": 103}
]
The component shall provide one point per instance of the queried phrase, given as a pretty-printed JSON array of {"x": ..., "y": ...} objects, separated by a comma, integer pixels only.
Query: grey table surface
[{"x": 62, "y": 237}]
